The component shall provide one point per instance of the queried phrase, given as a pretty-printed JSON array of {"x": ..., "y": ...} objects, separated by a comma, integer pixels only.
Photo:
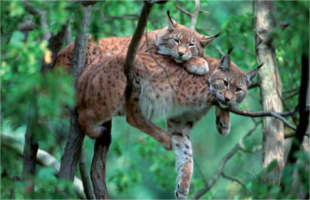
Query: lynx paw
[
  {"x": 180, "y": 194},
  {"x": 196, "y": 65},
  {"x": 167, "y": 145}
]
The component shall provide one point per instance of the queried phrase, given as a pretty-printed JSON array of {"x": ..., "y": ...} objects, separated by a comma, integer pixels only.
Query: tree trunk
[
  {"x": 76, "y": 136},
  {"x": 99, "y": 160},
  {"x": 31, "y": 147},
  {"x": 271, "y": 90}
]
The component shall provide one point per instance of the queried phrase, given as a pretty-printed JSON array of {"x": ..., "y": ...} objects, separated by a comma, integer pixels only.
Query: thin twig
[
  {"x": 290, "y": 135},
  {"x": 290, "y": 96},
  {"x": 291, "y": 90},
  {"x": 167, "y": 75},
  {"x": 230, "y": 154},
  {"x": 236, "y": 180},
  {"x": 184, "y": 11}
]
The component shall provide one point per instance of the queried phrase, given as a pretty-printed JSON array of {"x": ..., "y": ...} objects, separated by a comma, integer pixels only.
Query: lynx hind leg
[
  {"x": 136, "y": 119},
  {"x": 222, "y": 121},
  {"x": 196, "y": 65},
  {"x": 91, "y": 129},
  {"x": 181, "y": 145},
  {"x": 100, "y": 94}
]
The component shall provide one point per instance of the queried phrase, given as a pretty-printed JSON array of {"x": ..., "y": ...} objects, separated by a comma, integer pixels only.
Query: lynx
[
  {"x": 182, "y": 44},
  {"x": 100, "y": 96}
]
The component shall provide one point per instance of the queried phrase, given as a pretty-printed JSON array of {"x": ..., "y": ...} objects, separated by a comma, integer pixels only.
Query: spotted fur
[
  {"x": 182, "y": 44},
  {"x": 100, "y": 96}
]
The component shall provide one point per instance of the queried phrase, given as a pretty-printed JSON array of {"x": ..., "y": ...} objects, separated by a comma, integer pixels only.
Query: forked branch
[{"x": 193, "y": 16}]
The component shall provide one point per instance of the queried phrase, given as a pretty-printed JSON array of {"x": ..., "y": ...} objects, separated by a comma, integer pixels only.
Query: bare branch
[
  {"x": 254, "y": 85},
  {"x": 31, "y": 147},
  {"x": 26, "y": 26},
  {"x": 290, "y": 135},
  {"x": 237, "y": 181},
  {"x": 193, "y": 16},
  {"x": 84, "y": 175},
  {"x": 225, "y": 159},
  {"x": 99, "y": 162},
  {"x": 290, "y": 96},
  {"x": 184, "y": 11},
  {"x": 217, "y": 49},
  {"x": 30, "y": 8},
  {"x": 134, "y": 44},
  {"x": 262, "y": 114},
  {"x": 43, "y": 158},
  {"x": 291, "y": 90},
  {"x": 85, "y": 3}
]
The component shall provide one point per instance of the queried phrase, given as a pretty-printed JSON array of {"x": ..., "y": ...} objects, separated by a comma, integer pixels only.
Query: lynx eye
[
  {"x": 191, "y": 44},
  {"x": 225, "y": 83},
  {"x": 238, "y": 90},
  {"x": 176, "y": 40}
]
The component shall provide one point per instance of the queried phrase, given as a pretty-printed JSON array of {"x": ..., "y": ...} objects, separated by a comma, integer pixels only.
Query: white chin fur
[{"x": 178, "y": 60}]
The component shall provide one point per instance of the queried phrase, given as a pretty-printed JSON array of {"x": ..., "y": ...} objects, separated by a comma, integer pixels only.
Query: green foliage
[
  {"x": 295, "y": 181},
  {"x": 137, "y": 166}
]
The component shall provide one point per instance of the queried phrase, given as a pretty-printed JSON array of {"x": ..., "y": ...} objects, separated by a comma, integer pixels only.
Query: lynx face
[
  {"x": 182, "y": 43},
  {"x": 229, "y": 84}
]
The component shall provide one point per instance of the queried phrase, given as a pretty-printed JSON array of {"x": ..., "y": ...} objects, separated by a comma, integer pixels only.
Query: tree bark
[
  {"x": 99, "y": 162},
  {"x": 84, "y": 175},
  {"x": 31, "y": 147},
  {"x": 76, "y": 136},
  {"x": 43, "y": 159},
  {"x": 134, "y": 44},
  {"x": 303, "y": 111},
  {"x": 270, "y": 86}
]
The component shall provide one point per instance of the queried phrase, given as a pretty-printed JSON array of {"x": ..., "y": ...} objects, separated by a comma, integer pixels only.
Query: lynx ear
[
  {"x": 205, "y": 40},
  {"x": 225, "y": 61},
  {"x": 252, "y": 73},
  {"x": 171, "y": 23}
]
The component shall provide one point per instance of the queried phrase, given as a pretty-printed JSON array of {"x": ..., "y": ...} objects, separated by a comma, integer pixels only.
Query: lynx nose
[
  {"x": 181, "y": 54},
  {"x": 226, "y": 99}
]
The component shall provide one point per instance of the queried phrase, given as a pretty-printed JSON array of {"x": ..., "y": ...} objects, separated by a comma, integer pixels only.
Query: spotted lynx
[
  {"x": 100, "y": 96},
  {"x": 182, "y": 44}
]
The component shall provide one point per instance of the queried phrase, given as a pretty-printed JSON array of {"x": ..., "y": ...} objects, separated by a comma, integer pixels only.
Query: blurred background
[{"x": 137, "y": 166}]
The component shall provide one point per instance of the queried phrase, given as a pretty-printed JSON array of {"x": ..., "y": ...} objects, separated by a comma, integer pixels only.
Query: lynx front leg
[
  {"x": 182, "y": 147},
  {"x": 179, "y": 129},
  {"x": 222, "y": 121},
  {"x": 137, "y": 120},
  {"x": 196, "y": 65}
]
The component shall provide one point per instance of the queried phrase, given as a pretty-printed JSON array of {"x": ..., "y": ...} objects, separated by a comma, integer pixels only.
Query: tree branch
[
  {"x": 264, "y": 114},
  {"x": 43, "y": 159},
  {"x": 99, "y": 162},
  {"x": 303, "y": 113},
  {"x": 76, "y": 136},
  {"x": 254, "y": 85},
  {"x": 236, "y": 180},
  {"x": 84, "y": 175},
  {"x": 193, "y": 16},
  {"x": 30, "y": 8},
  {"x": 225, "y": 159},
  {"x": 31, "y": 147},
  {"x": 134, "y": 44}
]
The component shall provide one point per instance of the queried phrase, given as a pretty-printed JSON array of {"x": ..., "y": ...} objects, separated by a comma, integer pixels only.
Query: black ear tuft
[
  {"x": 230, "y": 50},
  {"x": 217, "y": 35},
  {"x": 259, "y": 66},
  {"x": 168, "y": 13}
]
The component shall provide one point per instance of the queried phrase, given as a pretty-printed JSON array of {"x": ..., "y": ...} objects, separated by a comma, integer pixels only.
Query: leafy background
[{"x": 137, "y": 166}]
